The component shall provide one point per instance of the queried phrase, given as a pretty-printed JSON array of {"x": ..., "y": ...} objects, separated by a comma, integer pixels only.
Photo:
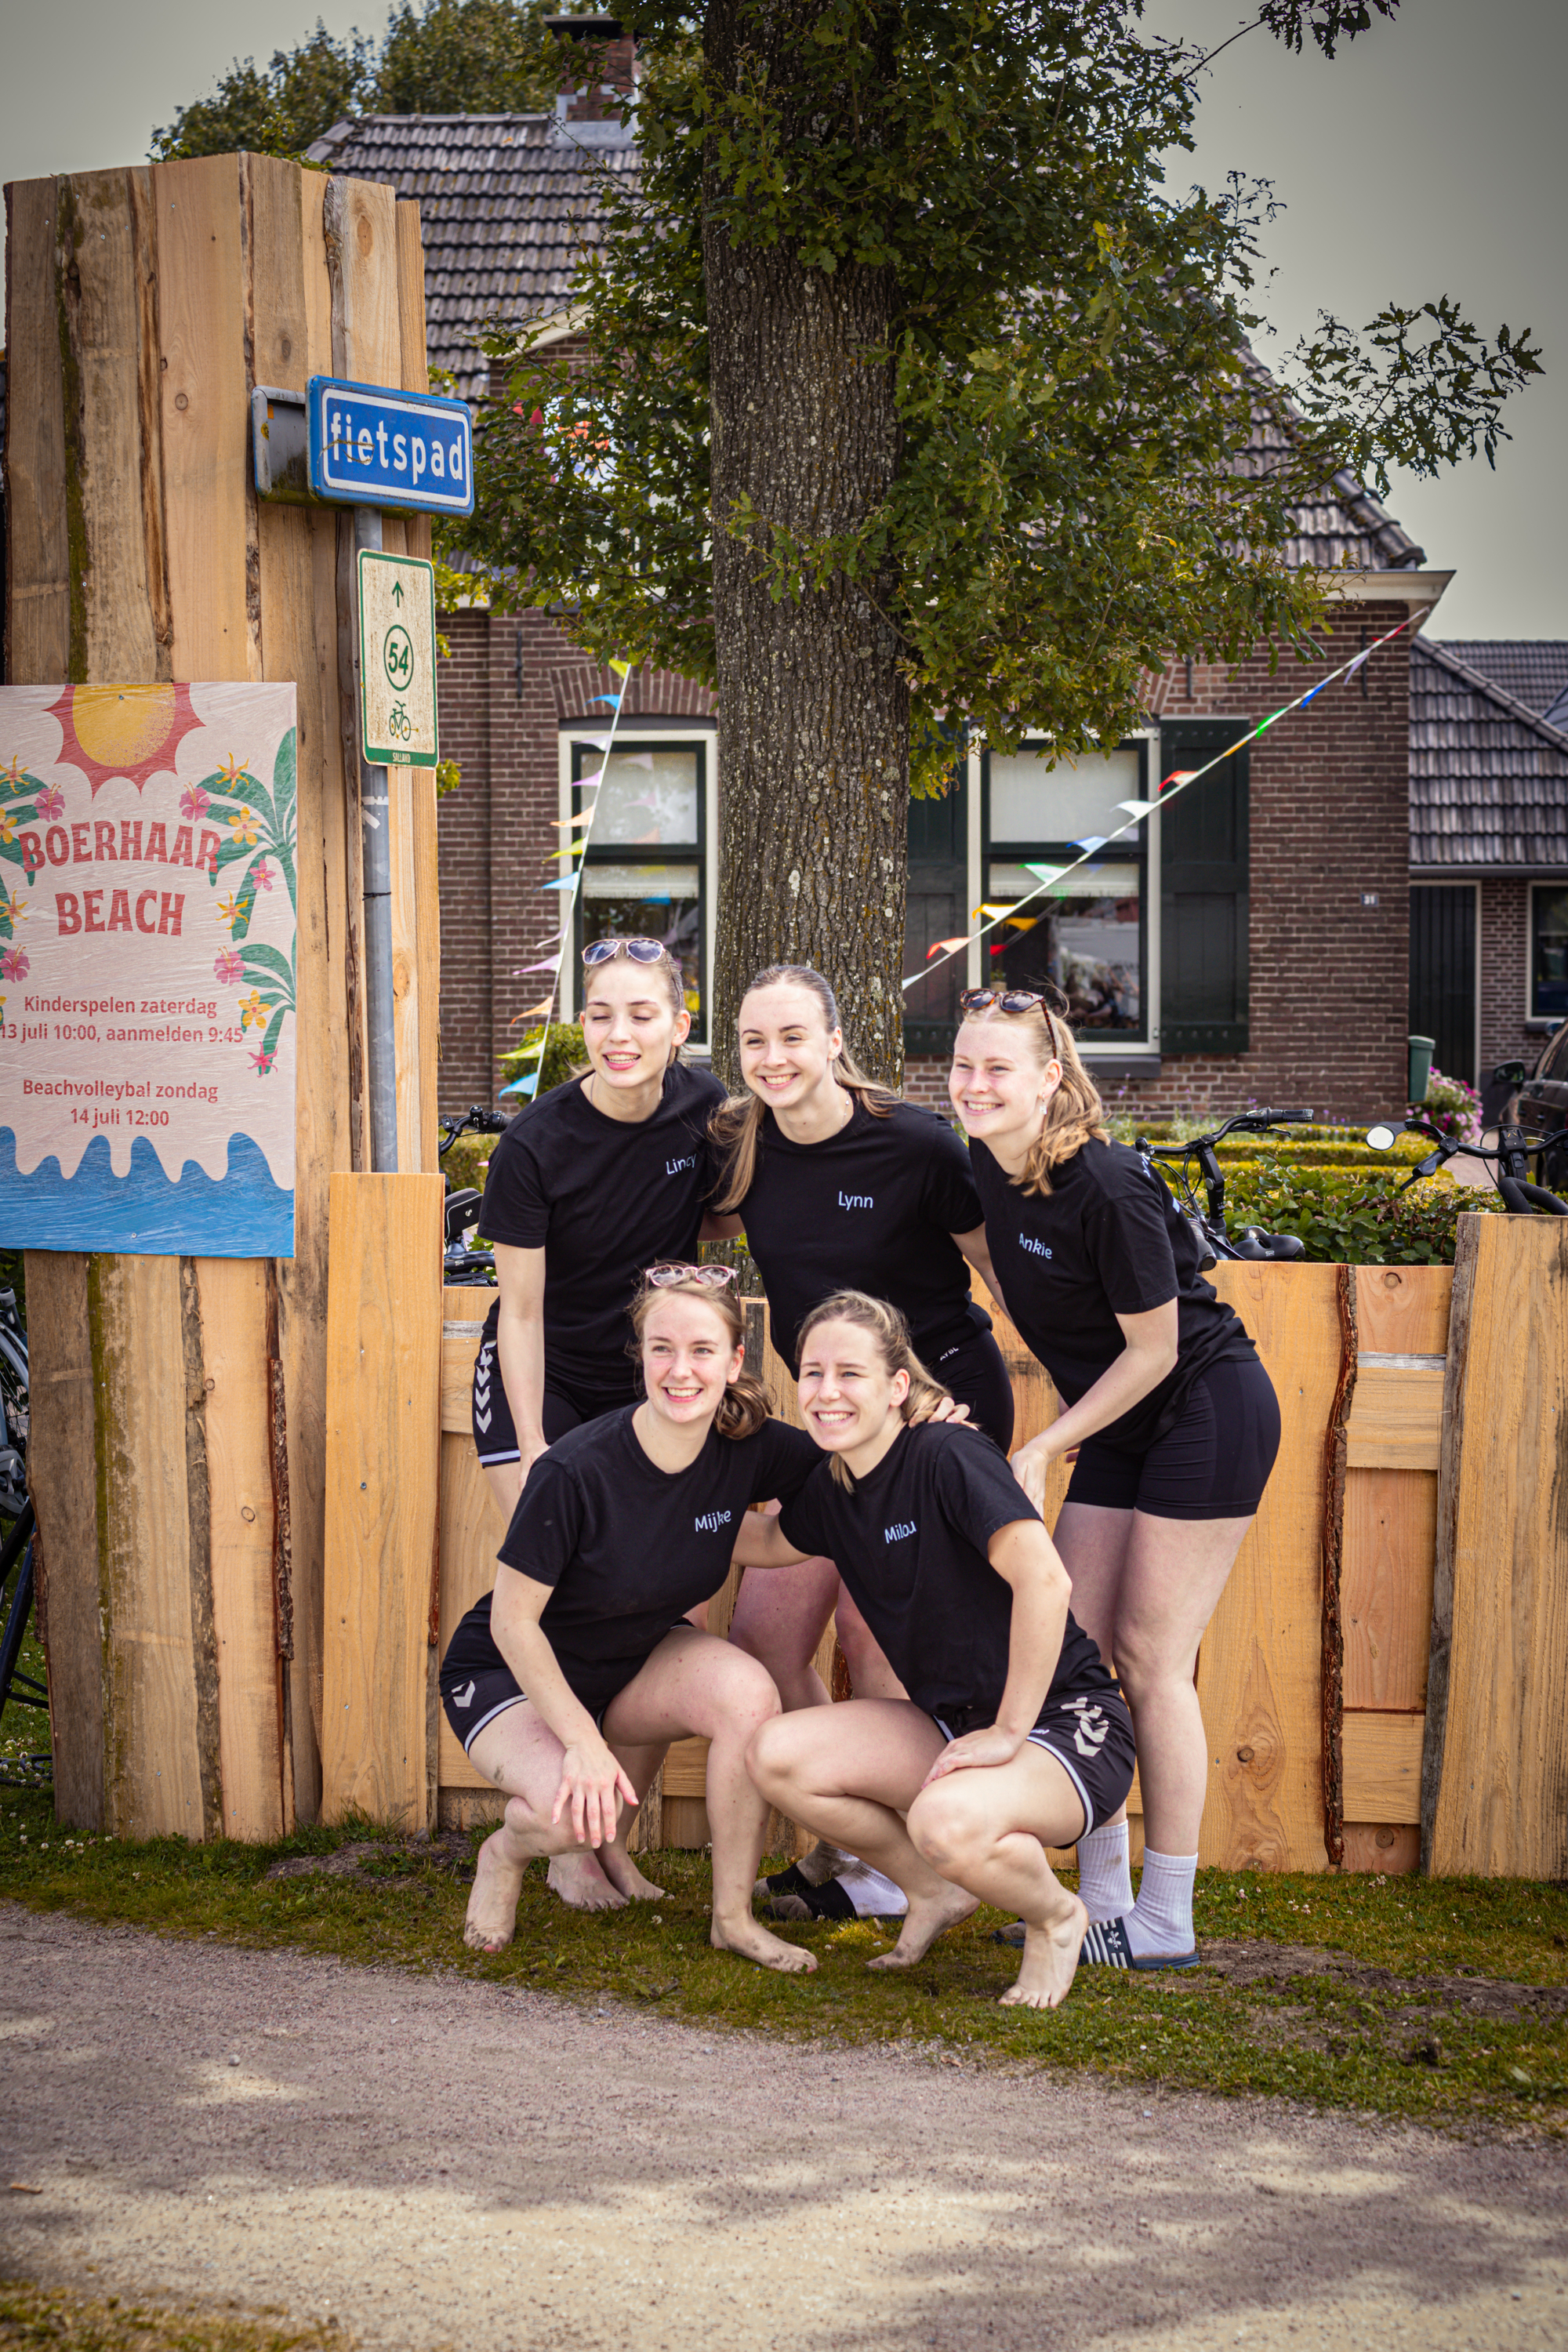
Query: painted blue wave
[{"x": 242, "y": 1215}]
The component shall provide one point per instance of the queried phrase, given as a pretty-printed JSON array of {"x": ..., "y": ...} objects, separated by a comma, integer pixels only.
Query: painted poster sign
[{"x": 147, "y": 920}]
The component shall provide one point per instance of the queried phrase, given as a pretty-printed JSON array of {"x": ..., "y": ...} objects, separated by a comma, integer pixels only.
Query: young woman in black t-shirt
[
  {"x": 1012, "y": 1736},
  {"x": 1171, "y": 1421},
  {"x": 589, "y": 1185},
  {"x": 836, "y": 1183},
  {"x": 567, "y": 1683}
]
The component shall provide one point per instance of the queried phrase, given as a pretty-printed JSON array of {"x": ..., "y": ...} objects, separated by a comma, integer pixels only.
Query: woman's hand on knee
[
  {"x": 592, "y": 1780},
  {"x": 974, "y": 1751}
]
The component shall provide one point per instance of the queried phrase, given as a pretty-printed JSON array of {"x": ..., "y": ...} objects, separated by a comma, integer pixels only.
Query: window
[
  {"x": 937, "y": 907},
  {"x": 1549, "y": 951},
  {"x": 645, "y": 870},
  {"x": 1089, "y": 933}
]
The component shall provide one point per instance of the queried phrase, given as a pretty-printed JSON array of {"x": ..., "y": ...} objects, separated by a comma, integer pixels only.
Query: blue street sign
[{"x": 370, "y": 447}]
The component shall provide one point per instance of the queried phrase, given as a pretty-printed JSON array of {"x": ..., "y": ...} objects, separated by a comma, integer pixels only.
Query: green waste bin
[{"x": 1421, "y": 1051}]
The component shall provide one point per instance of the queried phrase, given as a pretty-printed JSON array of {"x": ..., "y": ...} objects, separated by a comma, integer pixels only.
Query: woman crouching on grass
[
  {"x": 568, "y": 1681},
  {"x": 1014, "y": 1737}
]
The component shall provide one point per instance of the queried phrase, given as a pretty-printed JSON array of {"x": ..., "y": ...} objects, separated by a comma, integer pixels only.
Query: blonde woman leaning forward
[
  {"x": 568, "y": 1681},
  {"x": 1172, "y": 1418},
  {"x": 1013, "y": 1737},
  {"x": 597, "y": 1179}
]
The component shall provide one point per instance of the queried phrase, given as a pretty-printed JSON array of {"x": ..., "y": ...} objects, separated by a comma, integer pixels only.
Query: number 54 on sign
[{"x": 396, "y": 660}]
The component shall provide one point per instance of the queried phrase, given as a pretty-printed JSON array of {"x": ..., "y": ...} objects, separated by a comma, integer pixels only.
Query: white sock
[
  {"x": 1104, "y": 1879},
  {"x": 1162, "y": 1918}
]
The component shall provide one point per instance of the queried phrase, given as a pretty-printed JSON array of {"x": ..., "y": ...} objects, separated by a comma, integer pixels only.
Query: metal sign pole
[{"x": 375, "y": 836}]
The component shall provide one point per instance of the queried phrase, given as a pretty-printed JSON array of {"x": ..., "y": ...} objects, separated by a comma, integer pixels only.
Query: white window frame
[
  {"x": 1097, "y": 1048},
  {"x": 629, "y": 737}
]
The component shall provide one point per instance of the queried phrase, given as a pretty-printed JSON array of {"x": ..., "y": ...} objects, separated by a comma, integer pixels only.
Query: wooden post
[
  {"x": 178, "y": 1459},
  {"x": 1494, "y": 1781}
]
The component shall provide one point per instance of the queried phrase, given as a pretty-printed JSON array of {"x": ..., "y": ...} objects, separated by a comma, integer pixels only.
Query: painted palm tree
[{"x": 262, "y": 831}]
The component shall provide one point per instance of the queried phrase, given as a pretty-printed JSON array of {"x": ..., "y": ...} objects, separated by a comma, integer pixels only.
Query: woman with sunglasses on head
[
  {"x": 590, "y": 1183},
  {"x": 1008, "y": 1735},
  {"x": 567, "y": 1683},
  {"x": 1170, "y": 1419},
  {"x": 836, "y": 1183}
]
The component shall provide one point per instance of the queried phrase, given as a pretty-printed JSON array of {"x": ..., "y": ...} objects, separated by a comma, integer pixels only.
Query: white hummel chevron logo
[
  {"x": 463, "y": 1697},
  {"x": 481, "y": 1420}
]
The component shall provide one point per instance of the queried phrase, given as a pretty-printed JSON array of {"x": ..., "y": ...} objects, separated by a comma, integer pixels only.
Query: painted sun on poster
[{"x": 147, "y": 968}]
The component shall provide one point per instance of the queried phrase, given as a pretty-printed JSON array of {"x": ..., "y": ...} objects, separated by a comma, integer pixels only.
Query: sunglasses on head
[
  {"x": 639, "y": 951},
  {"x": 1006, "y": 1000},
  {"x": 666, "y": 1275}
]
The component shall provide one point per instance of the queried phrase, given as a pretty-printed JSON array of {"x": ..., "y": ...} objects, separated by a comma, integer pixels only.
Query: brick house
[
  {"x": 1488, "y": 851},
  {"x": 1251, "y": 943}
]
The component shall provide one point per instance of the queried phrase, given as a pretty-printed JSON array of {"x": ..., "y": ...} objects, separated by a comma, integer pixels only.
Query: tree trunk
[{"x": 814, "y": 717}]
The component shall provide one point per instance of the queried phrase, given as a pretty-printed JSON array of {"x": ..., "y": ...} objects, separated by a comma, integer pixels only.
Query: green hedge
[
  {"x": 467, "y": 1163},
  {"x": 1351, "y": 1217}
]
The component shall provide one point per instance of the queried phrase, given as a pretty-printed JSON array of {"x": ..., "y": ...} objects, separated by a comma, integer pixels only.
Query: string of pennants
[
  {"x": 579, "y": 830},
  {"x": 1090, "y": 847}
]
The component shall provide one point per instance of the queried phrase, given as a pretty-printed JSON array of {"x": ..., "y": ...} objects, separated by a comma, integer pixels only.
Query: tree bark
[{"x": 814, "y": 716}]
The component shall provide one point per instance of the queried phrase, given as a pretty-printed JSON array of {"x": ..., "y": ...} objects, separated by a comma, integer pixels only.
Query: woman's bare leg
[
  {"x": 576, "y": 1877},
  {"x": 695, "y": 1685},
  {"x": 1176, "y": 1571},
  {"x": 850, "y": 1775},
  {"x": 780, "y": 1619},
  {"x": 987, "y": 1831},
  {"x": 521, "y": 1755},
  {"x": 870, "y": 1675}
]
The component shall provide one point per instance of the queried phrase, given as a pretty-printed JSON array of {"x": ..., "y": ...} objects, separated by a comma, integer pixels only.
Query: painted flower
[
  {"x": 263, "y": 1062},
  {"x": 232, "y": 771},
  {"x": 261, "y": 875},
  {"x": 52, "y": 804},
  {"x": 252, "y": 1009},
  {"x": 7, "y": 826},
  {"x": 194, "y": 804},
  {"x": 228, "y": 966},
  {"x": 229, "y": 911},
  {"x": 244, "y": 826},
  {"x": 13, "y": 964},
  {"x": 16, "y": 908}
]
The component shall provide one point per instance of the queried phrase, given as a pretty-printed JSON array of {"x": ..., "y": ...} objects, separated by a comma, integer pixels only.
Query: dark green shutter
[
  {"x": 1203, "y": 894},
  {"x": 937, "y": 907}
]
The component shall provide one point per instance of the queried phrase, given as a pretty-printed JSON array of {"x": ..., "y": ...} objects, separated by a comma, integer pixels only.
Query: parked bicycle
[
  {"x": 1197, "y": 1161},
  {"x": 461, "y": 1263},
  {"x": 1512, "y": 1157},
  {"x": 16, "y": 1542}
]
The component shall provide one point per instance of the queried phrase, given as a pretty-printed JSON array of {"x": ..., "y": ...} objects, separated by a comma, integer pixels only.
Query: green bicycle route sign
[{"x": 397, "y": 660}]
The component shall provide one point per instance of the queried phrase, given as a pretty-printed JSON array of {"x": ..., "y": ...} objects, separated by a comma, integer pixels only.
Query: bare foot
[
  {"x": 492, "y": 1906},
  {"x": 579, "y": 1880},
  {"x": 1050, "y": 1960},
  {"x": 625, "y": 1877},
  {"x": 923, "y": 1921},
  {"x": 754, "y": 1942}
]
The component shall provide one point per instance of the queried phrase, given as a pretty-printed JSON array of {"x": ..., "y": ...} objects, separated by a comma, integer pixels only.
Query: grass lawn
[
  {"x": 1444, "y": 2001},
  {"x": 42, "y": 2319}
]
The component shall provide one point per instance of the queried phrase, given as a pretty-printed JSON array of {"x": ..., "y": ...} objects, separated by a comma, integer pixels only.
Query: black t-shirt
[
  {"x": 630, "y": 1548},
  {"x": 910, "y": 1542},
  {"x": 603, "y": 1198},
  {"x": 874, "y": 1208},
  {"x": 1107, "y": 1240}
]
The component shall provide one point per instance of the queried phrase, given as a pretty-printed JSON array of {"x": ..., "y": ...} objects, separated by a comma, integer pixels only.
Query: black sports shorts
[
  {"x": 1211, "y": 1464},
  {"x": 477, "y": 1684},
  {"x": 975, "y": 1375},
  {"x": 563, "y": 1407},
  {"x": 1089, "y": 1733}
]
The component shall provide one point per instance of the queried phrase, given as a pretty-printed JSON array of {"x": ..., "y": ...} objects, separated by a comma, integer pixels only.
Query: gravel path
[{"x": 446, "y": 2163}]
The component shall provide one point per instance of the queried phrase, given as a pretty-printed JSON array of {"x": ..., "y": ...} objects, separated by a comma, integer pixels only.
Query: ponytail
[
  {"x": 736, "y": 1127},
  {"x": 746, "y": 1406},
  {"x": 890, "y": 1334}
]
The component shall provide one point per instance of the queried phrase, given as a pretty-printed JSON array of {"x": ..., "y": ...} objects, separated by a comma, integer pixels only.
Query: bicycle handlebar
[{"x": 1251, "y": 1123}]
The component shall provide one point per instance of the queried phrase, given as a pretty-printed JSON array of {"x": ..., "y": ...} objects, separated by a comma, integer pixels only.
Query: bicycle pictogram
[{"x": 399, "y": 724}]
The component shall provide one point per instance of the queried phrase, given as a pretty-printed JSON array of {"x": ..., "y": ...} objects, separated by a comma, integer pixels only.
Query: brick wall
[
  {"x": 1505, "y": 984},
  {"x": 1330, "y": 978}
]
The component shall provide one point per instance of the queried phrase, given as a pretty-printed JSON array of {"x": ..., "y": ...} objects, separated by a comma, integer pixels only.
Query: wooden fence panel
[
  {"x": 384, "y": 1372},
  {"x": 233, "y": 1304},
  {"x": 1495, "y": 1772},
  {"x": 1260, "y": 1663}
]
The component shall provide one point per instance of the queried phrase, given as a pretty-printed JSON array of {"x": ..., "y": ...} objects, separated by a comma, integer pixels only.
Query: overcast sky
[{"x": 1428, "y": 158}]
